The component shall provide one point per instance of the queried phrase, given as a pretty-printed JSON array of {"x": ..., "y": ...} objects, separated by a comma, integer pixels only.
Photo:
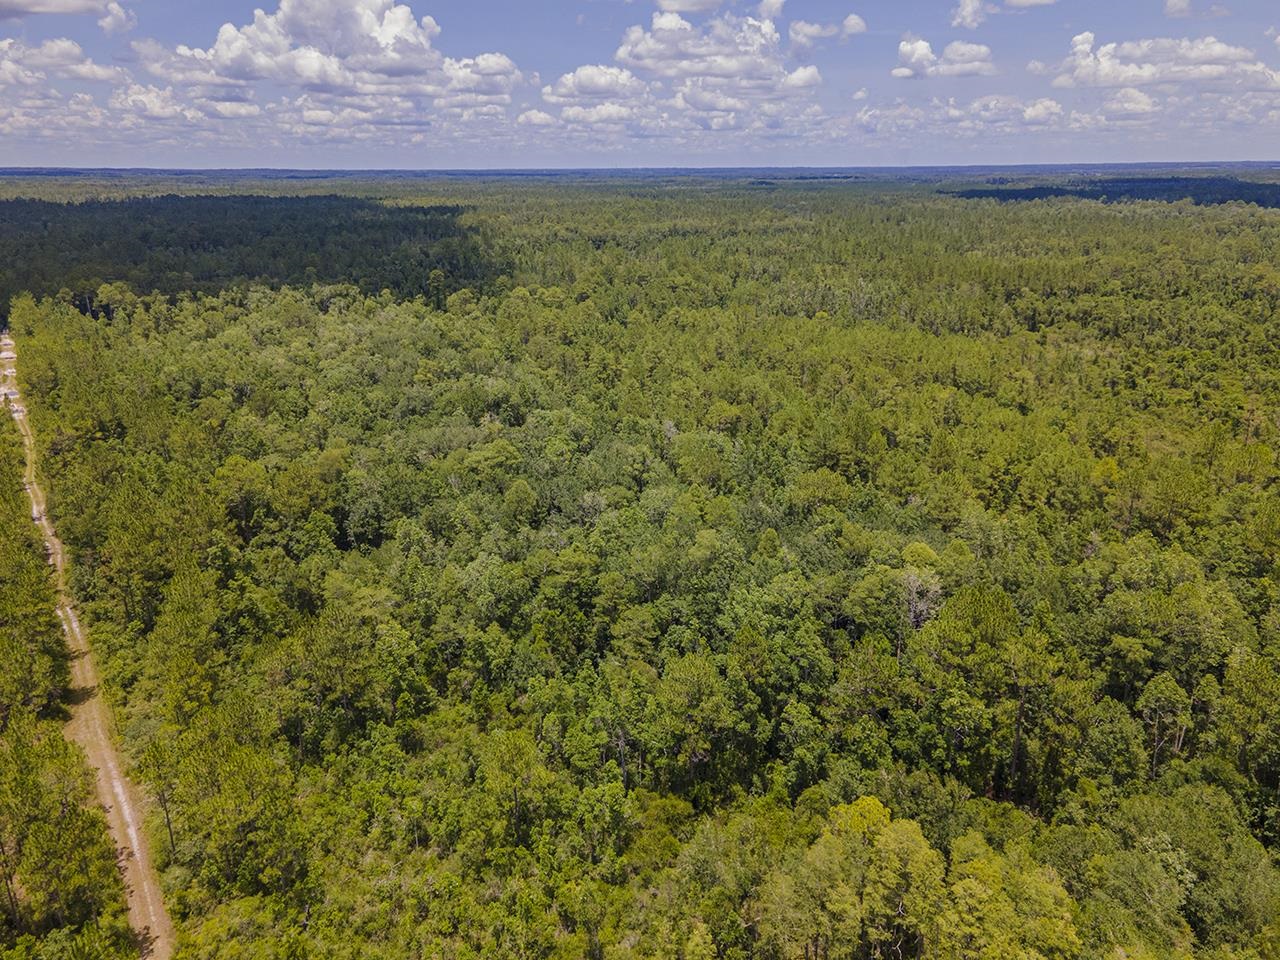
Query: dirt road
[{"x": 90, "y": 723}]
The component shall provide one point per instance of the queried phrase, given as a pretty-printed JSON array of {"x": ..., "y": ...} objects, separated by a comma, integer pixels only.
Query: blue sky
[{"x": 602, "y": 83}]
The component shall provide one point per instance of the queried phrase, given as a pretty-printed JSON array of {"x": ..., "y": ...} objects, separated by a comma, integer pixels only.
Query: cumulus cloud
[
  {"x": 354, "y": 69},
  {"x": 13, "y": 72},
  {"x": 973, "y": 13},
  {"x": 735, "y": 57},
  {"x": 537, "y": 118},
  {"x": 1139, "y": 63},
  {"x": 700, "y": 75},
  {"x": 599, "y": 113},
  {"x": 675, "y": 78},
  {"x": 117, "y": 19},
  {"x": 594, "y": 81},
  {"x": 317, "y": 43},
  {"x": 151, "y": 102},
  {"x": 1043, "y": 110},
  {"x": 1004, "y": 110},
  {"x": 44, "y": 114},
  {"x": 735, "y": 53},
  {"x": 988, "y": 116},
  {"x": 806, "y": 34},
  {"x": 959, "y": 59},
  {"x": 1177, "y": 8},
  {"x": 228, "y": 109},
  {"x": 672, "y": 47},
  {"x": 350, "y": 48},
  {"x": 24, "y": 65},
  {"x": 1130, "y": 101}
]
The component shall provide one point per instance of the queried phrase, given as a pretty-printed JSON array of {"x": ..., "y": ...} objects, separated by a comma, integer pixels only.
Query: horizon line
[{"x": 19, "y": 170}]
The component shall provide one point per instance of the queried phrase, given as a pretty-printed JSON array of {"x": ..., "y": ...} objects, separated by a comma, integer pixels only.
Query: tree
[{"x": 1166, "y": 711}]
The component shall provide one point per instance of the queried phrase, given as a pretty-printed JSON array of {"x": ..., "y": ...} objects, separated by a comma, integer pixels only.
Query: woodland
[{"x": 695, "y": 568}]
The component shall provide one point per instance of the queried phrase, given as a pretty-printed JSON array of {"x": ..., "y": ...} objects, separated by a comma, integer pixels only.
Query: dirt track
[{"x": 90, "y": 723}]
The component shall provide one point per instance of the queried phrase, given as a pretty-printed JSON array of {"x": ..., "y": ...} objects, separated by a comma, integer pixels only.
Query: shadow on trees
[{"x": 175, "y": 244}]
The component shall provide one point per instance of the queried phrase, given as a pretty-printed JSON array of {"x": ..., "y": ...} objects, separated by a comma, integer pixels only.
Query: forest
[
  {"x": 194, "y": 244},
  {"x": 651, "y": 568},
  {"x": 62, "y": 896},
  {"x": 1200, "y": 190}
]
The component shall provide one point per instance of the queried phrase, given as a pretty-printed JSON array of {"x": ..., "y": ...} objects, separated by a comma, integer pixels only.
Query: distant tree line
[
  {"x": 1199, "y": 190},
  {"x": 182, "y": 245}
]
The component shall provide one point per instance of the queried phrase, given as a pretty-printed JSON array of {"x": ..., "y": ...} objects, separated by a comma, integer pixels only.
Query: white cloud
[
  {"x": 853, "y": 24},
  {"x": 729, "y": 47},
  {"x": 802, "y": 78},
  {"x": 43, "y": 114},
  {"x": 736, "y": 57},
  {"x": 13, "y": 73},
  {"x": 915, "y": 56},
  {"x": 1042, "y": 111},
  {"x": 988, "y": 116},
  {"x": 973, "y": 13},
  {"x": 323, "y": 43},
  {"x": 1177, "y": 8},
  {"x": 338, "y": 47},
  {"x": 484, "y": 80},
  {"x": 959, "y": 59},
  {"x": 1129, "y": 101},
  {"x": 805, "y": 34},
  {"x": 228, "y": 109},
  {"x": 324, "y": 71},
  {"x": 1139, "y": 63},
  {"x": 151, "y": 102},
  {"x": 594, "y": 81},
  {"x": 537, "y": 118},
  {"x": 678, "y": 79},
  {"x": 24, "y": 65},
  {"x": 701, "y": 77},
  {"x": 117, "y": 19},
  {"x": 601, "y": 113},
  {"x": 688, "y": 6},
  {"x": 998, "y": 110},
  {"x": 22, "y": 8},
  {"x": 360, "y": 68}
]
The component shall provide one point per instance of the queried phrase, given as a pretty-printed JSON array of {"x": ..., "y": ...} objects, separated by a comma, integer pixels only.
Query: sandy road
[{"x": 90, "y": 723}]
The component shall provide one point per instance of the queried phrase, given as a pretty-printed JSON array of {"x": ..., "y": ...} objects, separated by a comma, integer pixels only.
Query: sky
[{"x": 446, "y": 84}]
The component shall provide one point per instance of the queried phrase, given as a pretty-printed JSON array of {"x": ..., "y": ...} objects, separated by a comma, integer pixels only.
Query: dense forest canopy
[
  {"x": 820, "y": 569},
  {"x": 1201, "y": 190},
  {"x": 60, "y": 895},
  {"x": 178, "y": 245}
]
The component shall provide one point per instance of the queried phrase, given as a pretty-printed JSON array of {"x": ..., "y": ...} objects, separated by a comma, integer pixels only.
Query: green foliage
[
  {"x": 60, "y": 893},
  {"x": 183, "y": 244},
  {"x": 809, "y": 573}
]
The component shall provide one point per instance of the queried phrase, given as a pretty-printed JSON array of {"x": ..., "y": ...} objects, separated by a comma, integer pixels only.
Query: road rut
[{"x": 90, "y": 723}]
